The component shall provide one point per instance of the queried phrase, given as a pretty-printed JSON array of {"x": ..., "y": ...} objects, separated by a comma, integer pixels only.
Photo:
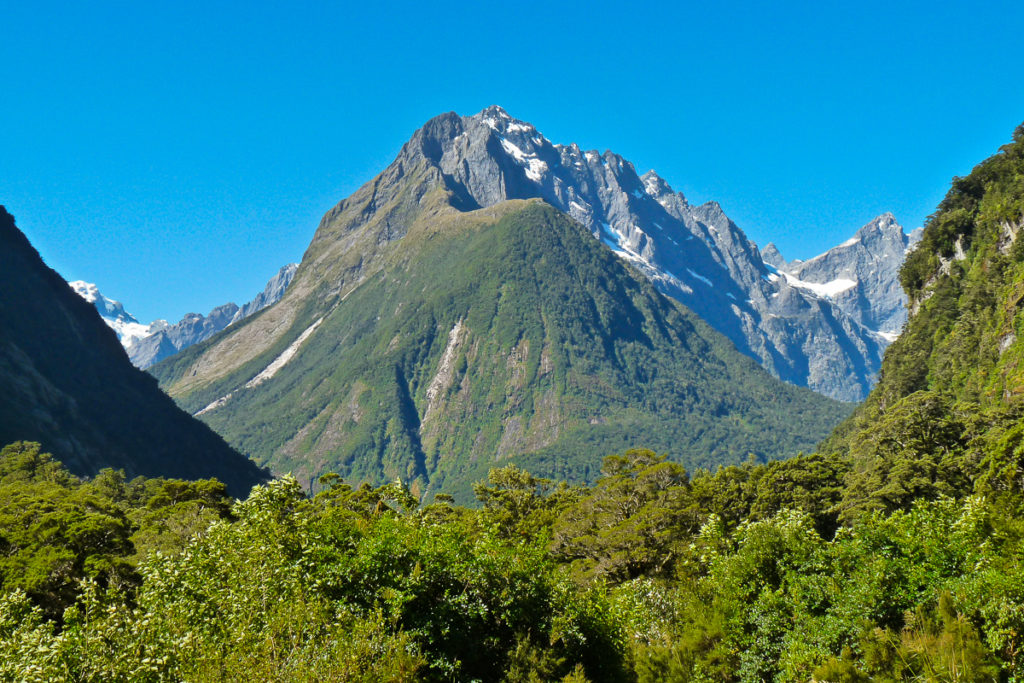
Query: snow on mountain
[
  {"x": 861, "y": 275},
  {"x": 125, "y": 325},
  {"x": 792, "y": 323},
  {"x": 149, "y": 344}
]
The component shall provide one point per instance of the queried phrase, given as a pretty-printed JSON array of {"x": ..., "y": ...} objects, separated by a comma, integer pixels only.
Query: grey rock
[
  {"x": 870, "y": 262},
  {"x": 271, "y": 294},
  {"x": 772, "y": 256},
  {"x": 194, "y": 327},
  {"x": 694, "y": 254}
]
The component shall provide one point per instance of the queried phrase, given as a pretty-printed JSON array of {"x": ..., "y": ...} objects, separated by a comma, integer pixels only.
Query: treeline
[{"x": 750, "y": 573}]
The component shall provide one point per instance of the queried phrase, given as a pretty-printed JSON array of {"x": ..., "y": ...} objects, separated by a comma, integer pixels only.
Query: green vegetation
[
  {"x": 946, "y": 417},
  {"x": 641, "y": 577},
  {"x": 516, "y": 339}
]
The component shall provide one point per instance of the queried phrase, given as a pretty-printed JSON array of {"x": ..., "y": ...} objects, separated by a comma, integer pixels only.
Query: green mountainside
[
  {"x": 946, "y": 416},
  {"x": 482, "y": 336},
  {"x": 66, "y": 382}
]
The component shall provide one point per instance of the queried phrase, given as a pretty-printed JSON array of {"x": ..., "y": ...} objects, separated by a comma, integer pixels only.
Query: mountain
[
  {"x": 66, "y": 383},
  {"x": 148, "y": 344},
  {"x": 170, "y": 339},
  {"x": 947, "y": 415},
  {"x": 127, "y": 328},
  {"x": 273, "y": 291},
  {"x": 695, "y": 254},
  {"x": 427, "y": 338},
  {"x": 194, "y": 328},
  {"x": 860, "y": 276}
]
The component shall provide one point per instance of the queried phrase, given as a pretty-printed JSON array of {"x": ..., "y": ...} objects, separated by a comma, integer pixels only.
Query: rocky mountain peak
[
  {"x": 863, "y": 272},
  {"x": 772, "y": 256},
  {"x": 656, "y": 186},
  {"x": 695, "y": 254}
]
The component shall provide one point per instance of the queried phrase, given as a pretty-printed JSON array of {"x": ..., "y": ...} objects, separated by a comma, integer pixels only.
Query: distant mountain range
[
  {"x": 65, "y": 382},
  {"x": 438, "y": 326},
  {"x": 149, "y": 344}
]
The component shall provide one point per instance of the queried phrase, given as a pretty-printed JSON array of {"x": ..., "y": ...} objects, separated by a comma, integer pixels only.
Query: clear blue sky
[{"x": 178, "y": 153}]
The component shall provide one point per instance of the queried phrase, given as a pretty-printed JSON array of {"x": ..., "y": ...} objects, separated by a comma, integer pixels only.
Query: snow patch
[
  {"x": 674, "y": 279},
  {"x": 700, "y": 277},
  {"x": 127, "y": 328},
  {"x": 86, "y": 290},
  {"x": 535, "y": 168},
  {"x": 825, "y": 289},
  {"x": 651, "y": 186}
]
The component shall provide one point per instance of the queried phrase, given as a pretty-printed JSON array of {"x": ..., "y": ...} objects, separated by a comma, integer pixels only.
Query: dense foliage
[
  {"x": 644, "y": 576},
  {"x": 945, "y": 418}
]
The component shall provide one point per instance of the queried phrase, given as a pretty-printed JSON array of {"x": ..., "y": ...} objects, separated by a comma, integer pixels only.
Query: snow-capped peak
[
  {"x": 86, "y": 290},
  {"x": 125, "y": 325}
]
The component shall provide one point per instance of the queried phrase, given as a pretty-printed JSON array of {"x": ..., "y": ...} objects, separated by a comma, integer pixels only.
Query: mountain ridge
[
  {"x": 149, "y": 344},
  {"x": 68, "y": 385},
  {"x": 799, "y": 336}
]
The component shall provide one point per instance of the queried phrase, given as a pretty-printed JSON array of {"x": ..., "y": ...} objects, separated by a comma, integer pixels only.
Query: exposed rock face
[
  {"x": 695, "y": 254},
  {"x": 149, "y": 344},
  {"x": 772, "y": 256},
  {"x": 66, "y": 383},
  {"x": 862, "y": 274},
  {"x": 270, "y": 294},
  {"x": 194, "y": 328},
  {"x": 189, "y": 330}
]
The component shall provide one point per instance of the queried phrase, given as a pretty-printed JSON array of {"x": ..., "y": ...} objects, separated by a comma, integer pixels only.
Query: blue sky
[{"x": 178, "y": 153}]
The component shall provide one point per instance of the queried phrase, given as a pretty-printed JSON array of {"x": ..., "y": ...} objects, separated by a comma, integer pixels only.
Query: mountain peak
[
  {"x": 884, "y": 223},
  {"x": 86, "y": 290},
  {"x": 772, "y": 256},
  {"x": 495, "y": 111},
  {"x": 695, "y": 254}
]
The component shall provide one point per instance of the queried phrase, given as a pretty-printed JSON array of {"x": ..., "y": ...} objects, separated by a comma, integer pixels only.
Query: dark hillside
[{"x": 66, "y": 382}]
